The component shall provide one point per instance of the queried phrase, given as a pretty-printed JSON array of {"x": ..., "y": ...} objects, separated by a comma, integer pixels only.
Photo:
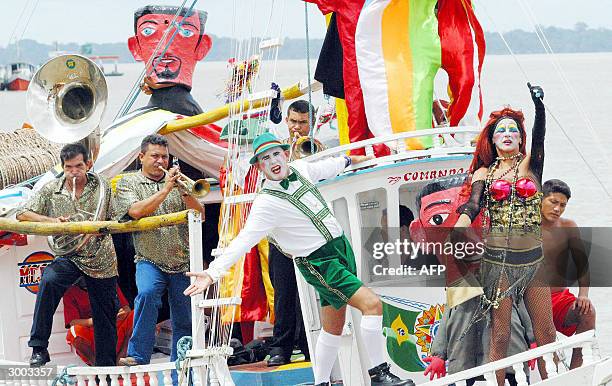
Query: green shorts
[{"x": 331, "y": 270}]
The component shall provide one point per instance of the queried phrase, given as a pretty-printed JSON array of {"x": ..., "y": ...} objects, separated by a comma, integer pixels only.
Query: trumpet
[
  {"x": 304, "y": 146},
  {"x": 196, "y": 189}
]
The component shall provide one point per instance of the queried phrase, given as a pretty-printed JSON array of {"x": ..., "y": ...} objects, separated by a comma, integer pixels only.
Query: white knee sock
[
  {"x": 373, "y": 339},
  {"x": 326, "y": 353}
]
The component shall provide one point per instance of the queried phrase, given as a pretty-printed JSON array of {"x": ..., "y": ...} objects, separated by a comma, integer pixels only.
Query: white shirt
[{"x": 277, "y": 217}]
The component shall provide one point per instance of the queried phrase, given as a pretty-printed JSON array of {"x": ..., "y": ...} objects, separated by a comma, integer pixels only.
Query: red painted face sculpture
[
  {"x": 437, "y": 215},
  {"x": 189, "y": 45},
  {"x": 438, "y": 212}
]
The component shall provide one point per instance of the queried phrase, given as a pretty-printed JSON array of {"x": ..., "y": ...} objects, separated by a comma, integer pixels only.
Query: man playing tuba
[{"x": 64, "y": 199}]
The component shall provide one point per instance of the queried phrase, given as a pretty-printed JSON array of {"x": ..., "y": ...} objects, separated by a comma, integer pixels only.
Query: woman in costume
[{"x": 506, "y": 183}]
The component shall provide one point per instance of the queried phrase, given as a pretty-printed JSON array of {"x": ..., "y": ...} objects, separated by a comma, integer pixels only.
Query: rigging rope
[
  {"x": 566, "y": 83},
  {"x": 18, "y": 21},
  {"x": 63, "y": 377},
  {"x": 246, "y": 52},
  {"x": 550, "y": 112},
  {"x": 310, "y": 111},
  {"x": 25, "y": 28}
]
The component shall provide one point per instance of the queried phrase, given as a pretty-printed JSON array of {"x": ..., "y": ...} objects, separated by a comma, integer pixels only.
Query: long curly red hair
[{"x": 485, "y": 152}]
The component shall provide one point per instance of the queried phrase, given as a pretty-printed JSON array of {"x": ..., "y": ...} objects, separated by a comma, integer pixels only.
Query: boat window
[
  {"x": 340, "y": 209},
  {"x": 372, "y": 206},
  {"x": 389, "y": 255}
]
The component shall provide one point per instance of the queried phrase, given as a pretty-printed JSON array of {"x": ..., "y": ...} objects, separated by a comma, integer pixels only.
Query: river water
[{"x": 570, "y": 139}]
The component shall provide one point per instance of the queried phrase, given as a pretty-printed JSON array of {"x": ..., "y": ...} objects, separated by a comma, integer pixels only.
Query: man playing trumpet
[
  {"x": 61, "y": 200},
  {"x": 162, "y": 255},
  {"x": 298, "y": 126}
]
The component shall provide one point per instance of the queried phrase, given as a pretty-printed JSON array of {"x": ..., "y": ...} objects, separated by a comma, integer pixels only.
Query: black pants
[
  {"x": 56, "y": 278},
  {"x": 289, "y": 325}
]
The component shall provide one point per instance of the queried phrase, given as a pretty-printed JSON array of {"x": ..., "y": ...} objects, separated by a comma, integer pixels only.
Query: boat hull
[
  {"x": 357, "y": 200},
  {"x": 18, "y": 84}
]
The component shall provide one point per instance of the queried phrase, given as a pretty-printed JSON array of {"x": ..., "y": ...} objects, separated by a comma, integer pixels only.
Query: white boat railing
[
  {"x": 396, "y": 137},
  {"x": 405, "y": 154},
  {"x": 155, "y": 374},
  {"x": 586, "y": 340}
]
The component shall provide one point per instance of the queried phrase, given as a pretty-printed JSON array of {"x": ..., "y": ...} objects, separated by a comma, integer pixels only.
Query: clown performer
[
  {"x": 312, "y": 235},
  {"x": 506, "y": 183},
  {"x": 437, "y": 205}
]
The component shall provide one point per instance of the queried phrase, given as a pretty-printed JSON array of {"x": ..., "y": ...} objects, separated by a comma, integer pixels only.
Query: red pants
[
  {"x": 82, "y": 338},
  {"x": 561, "y": 303}
]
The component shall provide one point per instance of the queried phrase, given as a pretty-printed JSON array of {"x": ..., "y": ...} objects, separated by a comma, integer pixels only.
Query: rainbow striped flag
[
  {"x": 400, "y": 46},
  {"x": 398, "y": 55}
]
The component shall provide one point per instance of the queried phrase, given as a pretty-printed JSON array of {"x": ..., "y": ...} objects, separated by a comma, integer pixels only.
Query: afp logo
[{"x": 30, "y": 271}]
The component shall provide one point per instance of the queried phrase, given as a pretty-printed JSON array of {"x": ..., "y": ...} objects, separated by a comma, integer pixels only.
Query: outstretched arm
[
  {"x": 536, "y": 162},
  {"x": 261, "y": 220},
  {"x": 331, "y": 167}
]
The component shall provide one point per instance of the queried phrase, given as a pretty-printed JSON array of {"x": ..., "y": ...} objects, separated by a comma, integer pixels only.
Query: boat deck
[{"x": 259, "y": 373}]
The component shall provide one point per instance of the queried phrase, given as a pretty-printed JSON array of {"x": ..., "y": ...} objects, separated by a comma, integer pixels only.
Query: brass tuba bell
[
  {"x": 65, "y": 102},
  {"x": 305, "y": 146},
  {"x": 66, "y": 99}
]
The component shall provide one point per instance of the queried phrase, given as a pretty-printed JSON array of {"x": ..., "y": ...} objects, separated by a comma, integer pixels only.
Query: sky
[{"x": 108, "y": 21}]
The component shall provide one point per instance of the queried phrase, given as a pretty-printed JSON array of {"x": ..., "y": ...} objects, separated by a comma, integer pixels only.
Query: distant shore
[{"x": 580, "y": 39}]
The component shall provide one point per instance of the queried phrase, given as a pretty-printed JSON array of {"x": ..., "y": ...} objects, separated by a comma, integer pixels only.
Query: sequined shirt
[
  {"x": 97, "y": 257},
  {"x": 526, "y": 218},
  {"x": 166, "y": 247}
]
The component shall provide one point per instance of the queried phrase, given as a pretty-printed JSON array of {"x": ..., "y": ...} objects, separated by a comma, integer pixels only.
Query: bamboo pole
[
  {"x": 104, "y": 227},
  {"x": 219, "y": 113}
]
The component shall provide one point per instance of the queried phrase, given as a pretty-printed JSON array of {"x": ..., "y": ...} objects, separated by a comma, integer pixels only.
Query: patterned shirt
[
  {"x": 166, "y": 247},
  {"x": 97, "y": 257}
]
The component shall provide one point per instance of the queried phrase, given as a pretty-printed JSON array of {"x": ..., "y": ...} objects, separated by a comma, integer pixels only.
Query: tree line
[{"x": 562, "y": 40}]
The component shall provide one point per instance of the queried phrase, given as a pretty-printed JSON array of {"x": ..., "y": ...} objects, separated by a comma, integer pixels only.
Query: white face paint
[
  {"x": 273, "y": 163},
  {"x": 507, "y": 136}
]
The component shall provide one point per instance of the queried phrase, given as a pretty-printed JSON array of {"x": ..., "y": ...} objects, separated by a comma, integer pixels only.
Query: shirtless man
[{"x": 561, "y": 238}]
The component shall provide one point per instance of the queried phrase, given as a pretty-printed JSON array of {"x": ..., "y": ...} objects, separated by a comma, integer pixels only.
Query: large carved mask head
[{"x": 188, "y": 46}]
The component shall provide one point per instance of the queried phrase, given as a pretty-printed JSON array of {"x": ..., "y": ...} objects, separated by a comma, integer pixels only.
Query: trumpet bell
[
  {"x": 305, "y": 146},
  {"x": 66, "y": 98},
  {"x": 200, "y": 188}
]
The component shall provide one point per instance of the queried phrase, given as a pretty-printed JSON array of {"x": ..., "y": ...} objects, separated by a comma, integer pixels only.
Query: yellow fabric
[
  {"x": 399, "y": 73},
  {"x": 342, "y": 121},
  {"x": 116, "y": 179},
  {"x": 232, "y": 283},
  {"x": 263, "y": 248}
]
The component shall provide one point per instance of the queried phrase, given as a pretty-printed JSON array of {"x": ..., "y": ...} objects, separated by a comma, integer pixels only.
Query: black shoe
[
  {"x": 322, "y": 384},
  {"x": 278, "y": 360},
  {"x": 39, "y": 357},
  {"x": 381, "y": 376}
]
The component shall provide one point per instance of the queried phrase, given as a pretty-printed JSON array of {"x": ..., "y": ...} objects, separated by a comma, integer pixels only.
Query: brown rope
[{"x": 25, "y": 154}]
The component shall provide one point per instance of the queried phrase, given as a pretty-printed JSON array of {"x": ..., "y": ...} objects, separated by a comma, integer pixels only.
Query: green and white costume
[{"x": 299, "y": 220}]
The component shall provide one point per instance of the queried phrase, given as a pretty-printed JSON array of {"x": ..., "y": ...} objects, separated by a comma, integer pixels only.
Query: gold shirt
[
  {"x": 166, "y": 247},
  {"x": 526, "y": 218},
  {"x": 97, "y": 258}
]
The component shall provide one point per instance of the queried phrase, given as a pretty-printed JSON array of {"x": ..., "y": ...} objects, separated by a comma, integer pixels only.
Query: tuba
[
  {"x": 305, "y": 146},
  {"x": 65, "y": 102}
]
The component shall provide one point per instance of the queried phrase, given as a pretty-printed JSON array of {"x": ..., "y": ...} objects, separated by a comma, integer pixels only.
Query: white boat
[
  {"x": 100, "y": 60},
  {"x": 357, "y": 198},
  {"x": 19, "y": 76},
  {"x": 3, "y": 77}
]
